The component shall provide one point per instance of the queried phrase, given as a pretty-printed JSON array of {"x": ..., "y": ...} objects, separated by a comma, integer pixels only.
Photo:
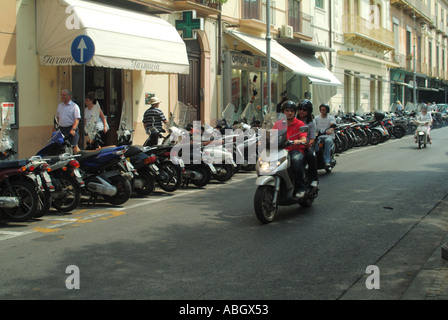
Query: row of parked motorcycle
[
  {"x": 55, "y": 177},
  {"x": 360, "y": 129}
]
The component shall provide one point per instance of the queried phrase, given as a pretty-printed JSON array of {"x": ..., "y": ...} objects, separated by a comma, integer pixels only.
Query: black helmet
[
  {"x": 326, "y": 106},
  {"x": 289, "y": 105},
  {"x": 307, "y": 104}
]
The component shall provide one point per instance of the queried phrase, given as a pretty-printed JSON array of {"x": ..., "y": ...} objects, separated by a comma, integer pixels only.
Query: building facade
[{"x": 352, "y": 54}]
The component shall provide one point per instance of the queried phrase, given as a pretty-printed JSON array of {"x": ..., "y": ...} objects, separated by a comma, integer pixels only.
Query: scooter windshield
[{"x": 274, "y": 130}]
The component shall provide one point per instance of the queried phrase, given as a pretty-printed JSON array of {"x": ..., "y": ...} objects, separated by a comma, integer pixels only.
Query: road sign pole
[
  {"x": 81, "y": 123},
  {"x": 82, "y": 50}
]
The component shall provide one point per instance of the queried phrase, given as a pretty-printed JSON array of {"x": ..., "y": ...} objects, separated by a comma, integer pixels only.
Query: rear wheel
[
  {"x": 226, "y": 172},
  {"x": 71, "y": 195},
  {"x": 265, "y": 209},
  {"x": 170, "y": 176},
  {"x": 28, "y": 201},
  {"x": 148, "y": 183},
  {"x": 376, "y": 137},
  {"x": 399, "y": 132},
  {"x": 206, "y": 176},
  {"x": 124, "y": 190}
]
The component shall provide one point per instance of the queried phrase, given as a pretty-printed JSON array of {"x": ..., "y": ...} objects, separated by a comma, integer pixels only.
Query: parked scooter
[
  {"x": 152, "y": 163},
  {"x": 67, "y": 181},
  {"x": 102, "y": 170},
  {"x": 275, "y": 180}
]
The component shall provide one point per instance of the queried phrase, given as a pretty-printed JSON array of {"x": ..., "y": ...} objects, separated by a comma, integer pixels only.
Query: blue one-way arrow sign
[{"x": 82, "y": 49}]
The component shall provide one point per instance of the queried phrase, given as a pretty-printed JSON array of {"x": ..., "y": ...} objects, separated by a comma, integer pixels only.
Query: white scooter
[
  {"x": 421, "y": 134},
  {"x": 275, "y": 180}
]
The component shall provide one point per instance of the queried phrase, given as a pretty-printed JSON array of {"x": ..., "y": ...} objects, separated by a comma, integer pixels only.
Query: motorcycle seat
[
  {"x": 133, "y": 150},
  {"x": 6, "y": 164},
  {"x": 86, "y": 154}
]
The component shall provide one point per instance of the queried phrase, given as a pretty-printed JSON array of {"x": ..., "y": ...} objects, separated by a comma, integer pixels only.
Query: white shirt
[
  {"x": 322, "y": 124},
  {"x": 68, "y": 113}
]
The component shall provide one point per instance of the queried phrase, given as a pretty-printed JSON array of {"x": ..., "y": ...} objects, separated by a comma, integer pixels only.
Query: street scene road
[{"x": 375, "y": 209}]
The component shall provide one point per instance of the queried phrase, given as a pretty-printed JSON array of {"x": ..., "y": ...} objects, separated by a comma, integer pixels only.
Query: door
[
  {"x": 189, "y": 85},
  {"x": 105, "y": 84}
]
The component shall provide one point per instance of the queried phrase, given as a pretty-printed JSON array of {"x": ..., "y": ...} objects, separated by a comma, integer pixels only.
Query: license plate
[
  {"x": 47, "y": 177},
  {"x": 77, "y": 174},
  {"x": 212, "y": 167},
  {"x": 154, "y": 167},
  {"x": 129, "y": 166}
]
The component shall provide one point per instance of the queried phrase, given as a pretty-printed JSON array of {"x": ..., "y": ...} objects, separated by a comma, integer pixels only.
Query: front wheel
[
  {"x": 265, "y": 209},
  {"x": 124, "y": 190}
]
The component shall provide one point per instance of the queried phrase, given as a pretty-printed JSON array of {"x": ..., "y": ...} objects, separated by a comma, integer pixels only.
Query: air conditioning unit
[{"x": 286, "y": 31}]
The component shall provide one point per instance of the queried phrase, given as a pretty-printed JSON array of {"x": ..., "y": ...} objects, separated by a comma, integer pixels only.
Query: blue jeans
[
  {"x": 328, "y": 144},
  {"x": 297, "y": 169}
]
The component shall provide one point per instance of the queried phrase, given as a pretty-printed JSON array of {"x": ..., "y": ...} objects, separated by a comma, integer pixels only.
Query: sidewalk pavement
[{"x": 431, "y": 283}]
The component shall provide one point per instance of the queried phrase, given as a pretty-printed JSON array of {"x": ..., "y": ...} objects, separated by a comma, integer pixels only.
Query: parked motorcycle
[
  {"x": 19, "y": 200},
  {"x": 275, "y": 180}
]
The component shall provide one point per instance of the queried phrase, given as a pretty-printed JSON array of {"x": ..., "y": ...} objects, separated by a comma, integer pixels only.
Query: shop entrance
[
  {"x": 105, "y": 84},
  {"x": 189, "y": 84}
]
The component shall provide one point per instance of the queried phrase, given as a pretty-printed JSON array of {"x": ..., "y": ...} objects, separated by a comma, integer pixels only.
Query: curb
[{"x": 444, "y": 250}]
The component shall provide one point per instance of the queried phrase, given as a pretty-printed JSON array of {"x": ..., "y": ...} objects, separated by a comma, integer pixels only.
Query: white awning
[
  {"x": 123, "y": 39},
  {"x": 313, "y": 61},
  {"x": 281, "y": 55}
]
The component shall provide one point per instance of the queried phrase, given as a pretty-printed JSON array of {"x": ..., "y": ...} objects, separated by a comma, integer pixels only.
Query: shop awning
[
  {"x": 122, "y": 39},
  {"x": 313, "y": 61},
  {"x": 281, "y": 55}
]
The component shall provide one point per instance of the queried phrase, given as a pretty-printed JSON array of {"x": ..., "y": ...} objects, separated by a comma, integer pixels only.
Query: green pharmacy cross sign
[{"x": 189, "y": 24}]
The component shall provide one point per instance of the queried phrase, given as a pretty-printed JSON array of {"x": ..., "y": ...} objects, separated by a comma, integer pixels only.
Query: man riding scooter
[
  {"x": 425, "y": 117},
  {"x": 296, "y": 151},
  {"x": 325, "y": 132}
]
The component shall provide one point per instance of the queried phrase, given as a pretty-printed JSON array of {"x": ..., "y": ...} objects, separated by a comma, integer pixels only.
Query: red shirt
[{"x": 293, "y": 133}]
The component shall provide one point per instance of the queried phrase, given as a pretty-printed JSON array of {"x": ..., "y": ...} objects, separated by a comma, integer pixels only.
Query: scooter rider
[
  {"x": 296, "y": 151},
  {"x": 323, "y": 122},
  {"x": 305, "y": 113},
  {"x": 426, "y": 117}
]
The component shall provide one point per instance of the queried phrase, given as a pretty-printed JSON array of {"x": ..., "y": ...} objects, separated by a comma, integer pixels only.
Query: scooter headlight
[{"x": 269, "y": 166}]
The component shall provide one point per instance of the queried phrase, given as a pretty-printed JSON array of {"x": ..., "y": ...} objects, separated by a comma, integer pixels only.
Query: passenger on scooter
[
  {"x": 305, "y": 113},
  {"x": 296, "y": 151},
  {"x": 325, "y": 133},
  {"x": 426, "y": 117}
]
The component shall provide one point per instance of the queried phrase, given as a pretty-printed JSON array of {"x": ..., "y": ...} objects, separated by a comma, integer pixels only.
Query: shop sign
[{"x": 242, "y": 61}]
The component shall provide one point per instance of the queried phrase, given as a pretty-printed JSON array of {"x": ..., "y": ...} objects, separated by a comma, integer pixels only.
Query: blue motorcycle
[{"x": 102, "y": 171}]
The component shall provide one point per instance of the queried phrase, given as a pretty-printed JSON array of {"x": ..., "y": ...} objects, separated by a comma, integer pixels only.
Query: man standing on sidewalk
[{"x": 69, "y": 115}]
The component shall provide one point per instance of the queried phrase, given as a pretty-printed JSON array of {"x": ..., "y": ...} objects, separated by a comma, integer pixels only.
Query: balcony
[
  {"x": 411, "y": 7},
  {"x": 204, "y": 8},
  {"x": 363, "y": 33},
  {"x": 302, "y": 24}
]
